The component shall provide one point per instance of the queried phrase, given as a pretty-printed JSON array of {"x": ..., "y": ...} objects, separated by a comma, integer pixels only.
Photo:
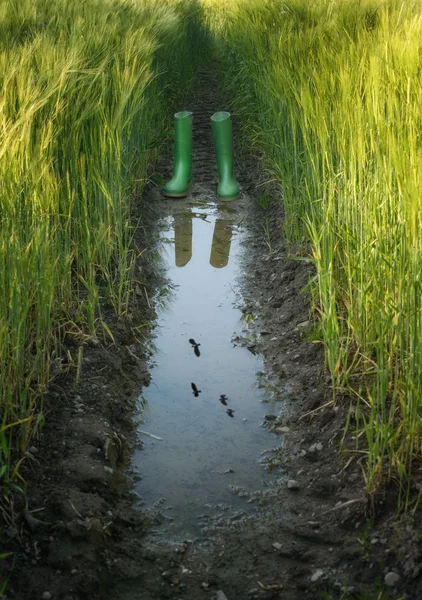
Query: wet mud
[{"x": 142, "y": 485}]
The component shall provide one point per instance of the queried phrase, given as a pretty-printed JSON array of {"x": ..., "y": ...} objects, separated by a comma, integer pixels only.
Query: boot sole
[
  {"x": 175, "y": 195},
  {"x": 229, "y": 199}
]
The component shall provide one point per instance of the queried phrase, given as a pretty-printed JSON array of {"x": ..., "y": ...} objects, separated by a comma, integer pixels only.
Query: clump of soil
[{"x": 78, "y": 502}]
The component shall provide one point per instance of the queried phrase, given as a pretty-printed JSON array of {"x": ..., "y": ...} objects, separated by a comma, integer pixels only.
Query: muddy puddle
[{"x": 212, "y": 438}]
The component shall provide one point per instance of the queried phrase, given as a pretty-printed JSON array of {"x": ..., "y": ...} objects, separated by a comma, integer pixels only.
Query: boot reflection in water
[
  {"x": 183, "y": 239},
  {"x": 221, "y": 242}
]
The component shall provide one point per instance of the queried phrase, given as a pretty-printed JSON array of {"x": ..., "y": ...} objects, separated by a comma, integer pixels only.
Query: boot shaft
[
  {"x": 183, "y": 135},
  {"x": 221, "y": 126},
  {"x": 178, "y": 186}
]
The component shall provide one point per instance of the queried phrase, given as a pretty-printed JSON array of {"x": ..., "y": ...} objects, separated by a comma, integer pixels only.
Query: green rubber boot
[
  {"x": 223, "y": 140},
  {"x": 178, "y": 185}
]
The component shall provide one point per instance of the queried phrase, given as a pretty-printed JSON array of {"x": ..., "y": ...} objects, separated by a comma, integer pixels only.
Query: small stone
[
  {"x": 108, "y": 469},
  {"x": 270, "y": 417},
  {"x": 317, "y": 447},
  {"x": 292, "y": 484},
  {"x": 33, "y": 449},
  {"x": 77, "y": 529},
  {"x": 221, "y": 595},
  {"x": 205, "y": 585},
  {"x": 391, "y": 579},
  {"x": 277, "y": 545},
  {"x": 46, "y": 596},
  {"x": 303, "y": 325},
  {"x": 284, "y": 429},
  {"x": 317, "y": 575}
]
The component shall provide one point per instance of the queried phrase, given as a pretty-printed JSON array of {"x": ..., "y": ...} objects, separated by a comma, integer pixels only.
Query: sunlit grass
[
  {"x": 331, "y": 92},
  {"x": 86, "y": 91}
]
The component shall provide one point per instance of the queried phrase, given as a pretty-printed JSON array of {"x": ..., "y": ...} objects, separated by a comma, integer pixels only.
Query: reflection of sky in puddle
[{"x": 199, "y": 439}]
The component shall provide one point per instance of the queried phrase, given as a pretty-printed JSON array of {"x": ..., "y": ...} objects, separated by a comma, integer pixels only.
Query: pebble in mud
[
  {"x": 221, "y": 595},
  {"x": 314, "y": 524},
  {"x": 46, "y": 596},
  {"x": 303, "y": 325},
  {"x": 316, "y": 447},
  {"x": 292, "y": 484},
  {"x": 317, "y": 575},
  {"x": 391, "y": 579}
]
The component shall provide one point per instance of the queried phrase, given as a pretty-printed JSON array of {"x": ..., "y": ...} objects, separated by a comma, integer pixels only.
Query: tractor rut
[{"x": 254, "y": 505}]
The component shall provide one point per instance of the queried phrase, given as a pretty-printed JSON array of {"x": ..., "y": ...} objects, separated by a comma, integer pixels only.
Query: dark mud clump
[{"x": 71, "y": 533}]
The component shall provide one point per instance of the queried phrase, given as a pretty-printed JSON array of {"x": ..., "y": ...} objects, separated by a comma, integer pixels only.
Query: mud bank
[{"x": 81, "y": 532}]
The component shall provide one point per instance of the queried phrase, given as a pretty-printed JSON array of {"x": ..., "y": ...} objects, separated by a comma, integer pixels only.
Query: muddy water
[{"x": 204, "y": 454}]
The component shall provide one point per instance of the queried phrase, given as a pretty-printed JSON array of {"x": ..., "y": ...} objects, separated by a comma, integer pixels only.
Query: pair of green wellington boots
[{"x": 221, "y": 126}]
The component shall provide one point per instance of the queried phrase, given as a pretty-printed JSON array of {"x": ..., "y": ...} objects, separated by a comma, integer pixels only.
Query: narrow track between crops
[
  {"x": 84, "y": 534},
  {"x": 279, "y": 537}
]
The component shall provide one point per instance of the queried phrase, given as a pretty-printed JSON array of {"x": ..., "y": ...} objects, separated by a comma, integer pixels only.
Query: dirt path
[
  {"x": 81, "y": 535},
  {"x": 292, "y": 543}
]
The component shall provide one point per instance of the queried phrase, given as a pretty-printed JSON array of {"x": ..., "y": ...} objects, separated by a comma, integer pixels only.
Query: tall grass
[
  {"x": 331, "y": 92},
  {"x": 85, "y": 97}
]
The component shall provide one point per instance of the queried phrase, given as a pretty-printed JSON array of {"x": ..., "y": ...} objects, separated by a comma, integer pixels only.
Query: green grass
[
  {"x": 328, "y": 92},
  {"x": 86, "y": 96},
  {"x": 331, "y": 93}
]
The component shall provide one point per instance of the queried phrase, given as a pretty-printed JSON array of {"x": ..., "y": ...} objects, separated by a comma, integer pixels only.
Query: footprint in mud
[{"x": 195, "y": 391}]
